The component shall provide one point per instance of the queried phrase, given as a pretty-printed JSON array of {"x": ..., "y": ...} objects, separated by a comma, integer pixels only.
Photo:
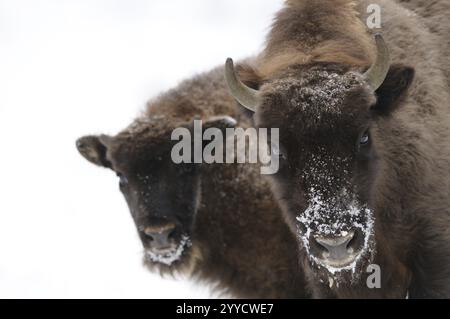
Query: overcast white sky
[{"x": 73, "y": 67}]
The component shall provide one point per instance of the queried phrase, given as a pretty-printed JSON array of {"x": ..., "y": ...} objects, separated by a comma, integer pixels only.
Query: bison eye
[
  {"x": 123, "y": 181},
  {"x": 364, "y": 140}
]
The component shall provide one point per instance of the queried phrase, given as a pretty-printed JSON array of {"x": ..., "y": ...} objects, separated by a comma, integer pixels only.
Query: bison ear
[
  {"x": 393, "y": 89},
  {"x": 93, "y": 148}
]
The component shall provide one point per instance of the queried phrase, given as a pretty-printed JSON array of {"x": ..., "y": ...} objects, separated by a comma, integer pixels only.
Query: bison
[
  {"x": 214, "y": 222},
  {"x": 364, "y": 142}
]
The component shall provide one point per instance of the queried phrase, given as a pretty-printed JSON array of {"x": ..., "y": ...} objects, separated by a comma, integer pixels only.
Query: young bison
[
  {"x": 216, "y": 222},
  {"x": 364, "y": 139}
]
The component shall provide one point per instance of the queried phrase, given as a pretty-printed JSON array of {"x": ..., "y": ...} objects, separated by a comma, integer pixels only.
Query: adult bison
[
  {"x": 213, "y": 222},
  {"x": 365, "y": 144}
]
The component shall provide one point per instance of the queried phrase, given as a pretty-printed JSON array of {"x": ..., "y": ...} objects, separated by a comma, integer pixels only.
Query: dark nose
[
  {"x": 337, "y": 249},
  {"x": 336, "y": 246},
  {"x": 160, "y": 236}
]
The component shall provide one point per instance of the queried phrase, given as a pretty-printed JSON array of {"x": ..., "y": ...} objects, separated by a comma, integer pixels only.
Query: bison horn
[
  {"x": 245, "y": 95},
  {"x": 377, "y": 73}
]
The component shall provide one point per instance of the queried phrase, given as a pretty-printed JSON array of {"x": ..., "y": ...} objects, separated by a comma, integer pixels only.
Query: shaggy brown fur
[
  {"x": 435, "y": 14},
  {"x": 311, "y": 87},
  {"x": 315, "y": 31},
  {"x": 239, "y": 242}
]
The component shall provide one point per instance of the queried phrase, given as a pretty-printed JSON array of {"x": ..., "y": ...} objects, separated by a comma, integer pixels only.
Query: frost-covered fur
[
  {"x": 311, "y": 86},
  {"x": 230, "y": 232}
]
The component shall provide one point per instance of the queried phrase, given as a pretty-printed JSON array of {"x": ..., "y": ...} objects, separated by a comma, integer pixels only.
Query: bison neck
[{"x": 245, "y": 245}]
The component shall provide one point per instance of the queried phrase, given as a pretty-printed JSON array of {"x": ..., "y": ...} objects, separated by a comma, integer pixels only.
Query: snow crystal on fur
[{"x": 169, "y": 258}]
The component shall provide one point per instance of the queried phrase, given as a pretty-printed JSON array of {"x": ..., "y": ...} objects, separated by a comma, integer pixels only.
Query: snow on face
[
  {"x": 317, "y": 221},
  {"x": 319, "y": 95},
  {"x": 168, "y": 258},
  {"x": 328, "y": 91},
  {"x": 333, "y": 209}
]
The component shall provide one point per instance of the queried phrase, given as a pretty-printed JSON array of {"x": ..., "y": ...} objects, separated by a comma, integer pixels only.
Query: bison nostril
[
  {"x": 353, "y": 243},
  {"x": 149, "y": 236},
  {"x": 172, "y": 234}
]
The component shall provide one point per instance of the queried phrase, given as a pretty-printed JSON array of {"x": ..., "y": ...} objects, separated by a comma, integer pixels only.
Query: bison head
[
  {"x": 327, "y": 114},
  {"x": 163, "y": 197}
]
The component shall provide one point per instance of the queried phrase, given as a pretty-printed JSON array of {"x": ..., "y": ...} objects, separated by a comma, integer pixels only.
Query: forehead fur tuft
[
  {"x": 319, "y": 96},
  {"x": 143, "y": 139}
]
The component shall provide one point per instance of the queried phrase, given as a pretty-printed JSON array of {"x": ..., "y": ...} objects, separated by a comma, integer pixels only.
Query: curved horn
[
  {"x": 376, "y": 75},
  {"x": 246, "y": 96}
]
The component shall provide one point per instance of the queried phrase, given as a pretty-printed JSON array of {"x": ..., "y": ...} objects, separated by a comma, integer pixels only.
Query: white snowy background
[{"x": 73, "y": 67}]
